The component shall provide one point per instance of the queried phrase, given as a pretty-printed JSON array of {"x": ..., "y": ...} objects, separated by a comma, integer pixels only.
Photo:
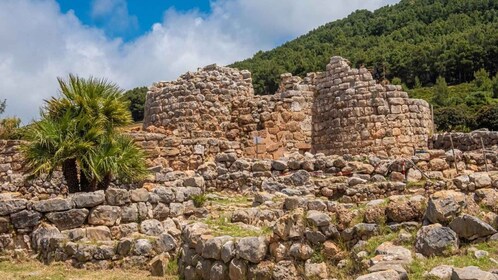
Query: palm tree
[{"x": 78, "y": 133}]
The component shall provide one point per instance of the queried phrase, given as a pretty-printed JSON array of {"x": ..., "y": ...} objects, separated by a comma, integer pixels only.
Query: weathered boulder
[
  {"x": 301, "y": 251},
  {"x": 151, "y": 227},
  {"x": 472, "y": 273},
  {"x": 317, "y": 218},
  {"x": 300, "y": 177},
  {"x": 219, "y": 270},
  {"x": 25, "y": 219},
  {"x": 436, "y": 240},
  {"x": 480, "y": 179},
  {"x": 8, "y": 207},
  {"x": 90, "y": 199},
  {"x": 158, "y": 265},
  {"x": 68, "y": 219},
  {"x": 165, "y": 195},
  {"x": 212, "y": 247},
  {"x": 99, "y": 233},
  {"x": 139, "y": 195},
  {"x": 470, "y": 227},
  {"x": 285, "y": 270},
  {"x": 382, "y": 275},
  {"x": 441, "y": 272},
  {"x": 165, "y": 243},
  {"x": 117, "y": 197},
  {"x": 404, "y": 209},
  {"x": 52, "y": 205},
  {"x": 290, "y": 226},
  {"x": 43, "y": 231},
  {"x": 315, "y": 270},
  {"x": 252, "y": 249},
  {"x": 261, "y": 166},
  {"x": 279, "y": 165},
  {"x": 228, "y": 251},
  {"x": 237, "y": 269},
  {"x": 104, "y": 215},
  {"x": 444, "y": 206},
  {"x": 143, "y": 247}
]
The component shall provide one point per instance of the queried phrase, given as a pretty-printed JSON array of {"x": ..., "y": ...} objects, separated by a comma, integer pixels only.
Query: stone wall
[
  {"x": 352, "y": 114},
  {"x": 218, "y": 103},
  {"x": 100, "y": 229},
  {"x": 465, "y": 141},
  {"x": 340, "y": 111}
]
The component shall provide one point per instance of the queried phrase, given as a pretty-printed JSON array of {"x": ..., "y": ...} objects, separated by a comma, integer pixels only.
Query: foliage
[
  {"x": 78, "y": 132},
  {"x": 414, "y": 38},
  {"x": 3, "y": 104},
  {"x": 452, "y": 118},
  {"x": 441, "y": 92},
  {"x": 9, "y": 128},
  {"x": 487, "y": 117},
  {"x": 136, "y": 97},
  {"x": 494, "y": 86},
  {"x": 199, "y": 200},
  {"x": 482, "y": 80}
]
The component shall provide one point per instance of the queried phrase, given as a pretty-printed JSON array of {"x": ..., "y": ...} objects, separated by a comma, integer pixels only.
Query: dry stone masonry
[{"x": 352, "y": 114}]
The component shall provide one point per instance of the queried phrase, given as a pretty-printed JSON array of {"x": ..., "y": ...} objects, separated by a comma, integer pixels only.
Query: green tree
[
  {"x": 417, "y": 84},
  {"x": 78, "y": 132},
  {"x": 452, "y": 118},
  {"x": 136, "y": 97},
  {"x": 396, "y": 81},
  {"x": 3, "y": 104},
  {"x": 487, "y": 117},
  {"x": 482, "y": 80},
  {"x": 441, "y": 93},
  {"x": 495, "y": 86}
]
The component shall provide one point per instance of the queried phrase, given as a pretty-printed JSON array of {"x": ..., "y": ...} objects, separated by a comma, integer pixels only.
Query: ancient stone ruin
[
  {"x": 332, "y": 177},
  {"x": 340, "y": 111}
]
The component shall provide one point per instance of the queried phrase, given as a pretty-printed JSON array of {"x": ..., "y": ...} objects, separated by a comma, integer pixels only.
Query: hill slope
[{"x": 414, "y": 39}]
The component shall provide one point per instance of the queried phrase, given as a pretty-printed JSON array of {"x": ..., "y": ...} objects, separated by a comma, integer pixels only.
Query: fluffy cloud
[
  {"x": 39, "y": 43},
  {"x": 114, "y": 16}
]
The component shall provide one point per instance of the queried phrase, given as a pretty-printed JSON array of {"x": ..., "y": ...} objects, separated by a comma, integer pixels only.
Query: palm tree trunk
[
  {"x": 106, "y": 181},
  {"x": 85, "y": 184},
  {"x": 70, "y": 172}
]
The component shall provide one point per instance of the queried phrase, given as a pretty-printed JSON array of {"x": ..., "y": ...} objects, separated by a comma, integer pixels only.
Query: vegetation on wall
[
  {"x": 136, "y": 98},
  {"x": 78, "y": 132}
]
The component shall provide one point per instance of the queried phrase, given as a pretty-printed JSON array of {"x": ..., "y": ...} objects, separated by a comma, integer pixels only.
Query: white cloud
[
  {"x": 114, "y": 15},
  {"x": 40, "y": 43}
]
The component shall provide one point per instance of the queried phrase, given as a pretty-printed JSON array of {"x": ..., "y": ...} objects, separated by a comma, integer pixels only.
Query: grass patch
[
  {"x": 222, "y": 226},
  {"x": 33, "y": 270},
  {"x": 199, "y": 200},
  {"x": 463, "y": 259},
  {"x": 229, "y": 200}
]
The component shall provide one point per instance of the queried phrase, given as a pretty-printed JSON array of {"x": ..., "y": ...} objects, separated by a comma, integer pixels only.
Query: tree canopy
[{"x": 414, "y": 40}]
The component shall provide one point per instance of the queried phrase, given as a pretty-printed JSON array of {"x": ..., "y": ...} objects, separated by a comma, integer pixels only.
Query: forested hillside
[{"x": 414, "y": 40}]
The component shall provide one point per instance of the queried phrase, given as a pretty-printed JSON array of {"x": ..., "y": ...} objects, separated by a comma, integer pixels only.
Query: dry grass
[{"x": 34, "y": 270}]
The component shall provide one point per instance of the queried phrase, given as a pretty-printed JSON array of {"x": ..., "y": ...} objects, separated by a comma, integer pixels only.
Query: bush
[
  {"x": 9, "y": 128},
  {"x": 487, "y": 117},
  {"x": 452, "y": 118}
]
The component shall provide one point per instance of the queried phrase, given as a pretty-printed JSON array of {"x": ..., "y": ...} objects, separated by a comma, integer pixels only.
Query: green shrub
[{"x": 199, "y": 200}]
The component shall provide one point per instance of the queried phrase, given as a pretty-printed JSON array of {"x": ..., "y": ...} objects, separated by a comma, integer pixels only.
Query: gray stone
[
  {"x": 87, "y": 200},
  {"x": 25, "y": 219},
  {"x": 317, "y": 218},
  {"x": 52, "y": 205},
  {"x": 285, "y": 270},
  {"x": 75, "y": 234},
  {"x": 43, "y": 231},
  {"x": 300, "y": 177},
  {"x": 166, "y": 195},
  {"x": 444, "y": 206},
  {"x": 124, "y": 246},
  {"x": 104, "y": 215},
  {"x": 100, "y": 233},
  {"x": 165, "y": 243},
  {"x": 301, "y": 251},
  {"x": 261, "y": 166},
  {"x": 237, "y": 269},
  {"x": 461, "y": 182},
  {"x": 228, "y": 251},
  {"x": 353, "y": 181},
  {"x": 117, "y": 196},
  {"x": 381, "y": 275},
  {"x": 196, "y": 182},
  {"x": 219, "y": 271},
  {"x": 4, "y": 225},
  {"x": 212, "y": 247},
  {"x": 252, "y": 249},
  {"x": 104, "y": 252},
  {"x": 151, "y": 227},
  {"x": 143, "y": 247},
  {"x": 442, "y": 272},
  {"x": 315, "y": 270},
  {"x": 480, "y": 179},
  {"x": 176, "y": 209},
  {"x": 139, "y": 195},
  {"x": 292, "y": 203},
  {"x": 8, "y": 207},
  {"x": 470, "y": 227},
  {"x": 68, "y": 219},
  {"x": 160, "y": 212},
  {"x": 472, "y": 273},
  {"x": 129, "y": 213},
  {"x": 436, "y": 240},
  {"x": 279, "y": 165}
]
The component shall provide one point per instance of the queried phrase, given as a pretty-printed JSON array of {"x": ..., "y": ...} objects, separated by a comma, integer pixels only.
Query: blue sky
[
  {"x": 139, "y": 42},
  {"x": 147, "y": 12}
]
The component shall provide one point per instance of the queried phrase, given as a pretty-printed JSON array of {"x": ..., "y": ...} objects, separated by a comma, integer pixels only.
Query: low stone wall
[
  {"x": 103, "y": 229},
  {"x": 465, "y": 141},
  {"x": 350, "y": 179}
]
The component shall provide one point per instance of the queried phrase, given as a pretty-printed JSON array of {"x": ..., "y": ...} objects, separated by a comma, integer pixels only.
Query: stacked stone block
[{"x": 352, "y": 114}]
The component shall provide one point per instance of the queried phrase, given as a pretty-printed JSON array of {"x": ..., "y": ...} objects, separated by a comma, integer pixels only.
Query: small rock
[{"x": 436, "y": 240}]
